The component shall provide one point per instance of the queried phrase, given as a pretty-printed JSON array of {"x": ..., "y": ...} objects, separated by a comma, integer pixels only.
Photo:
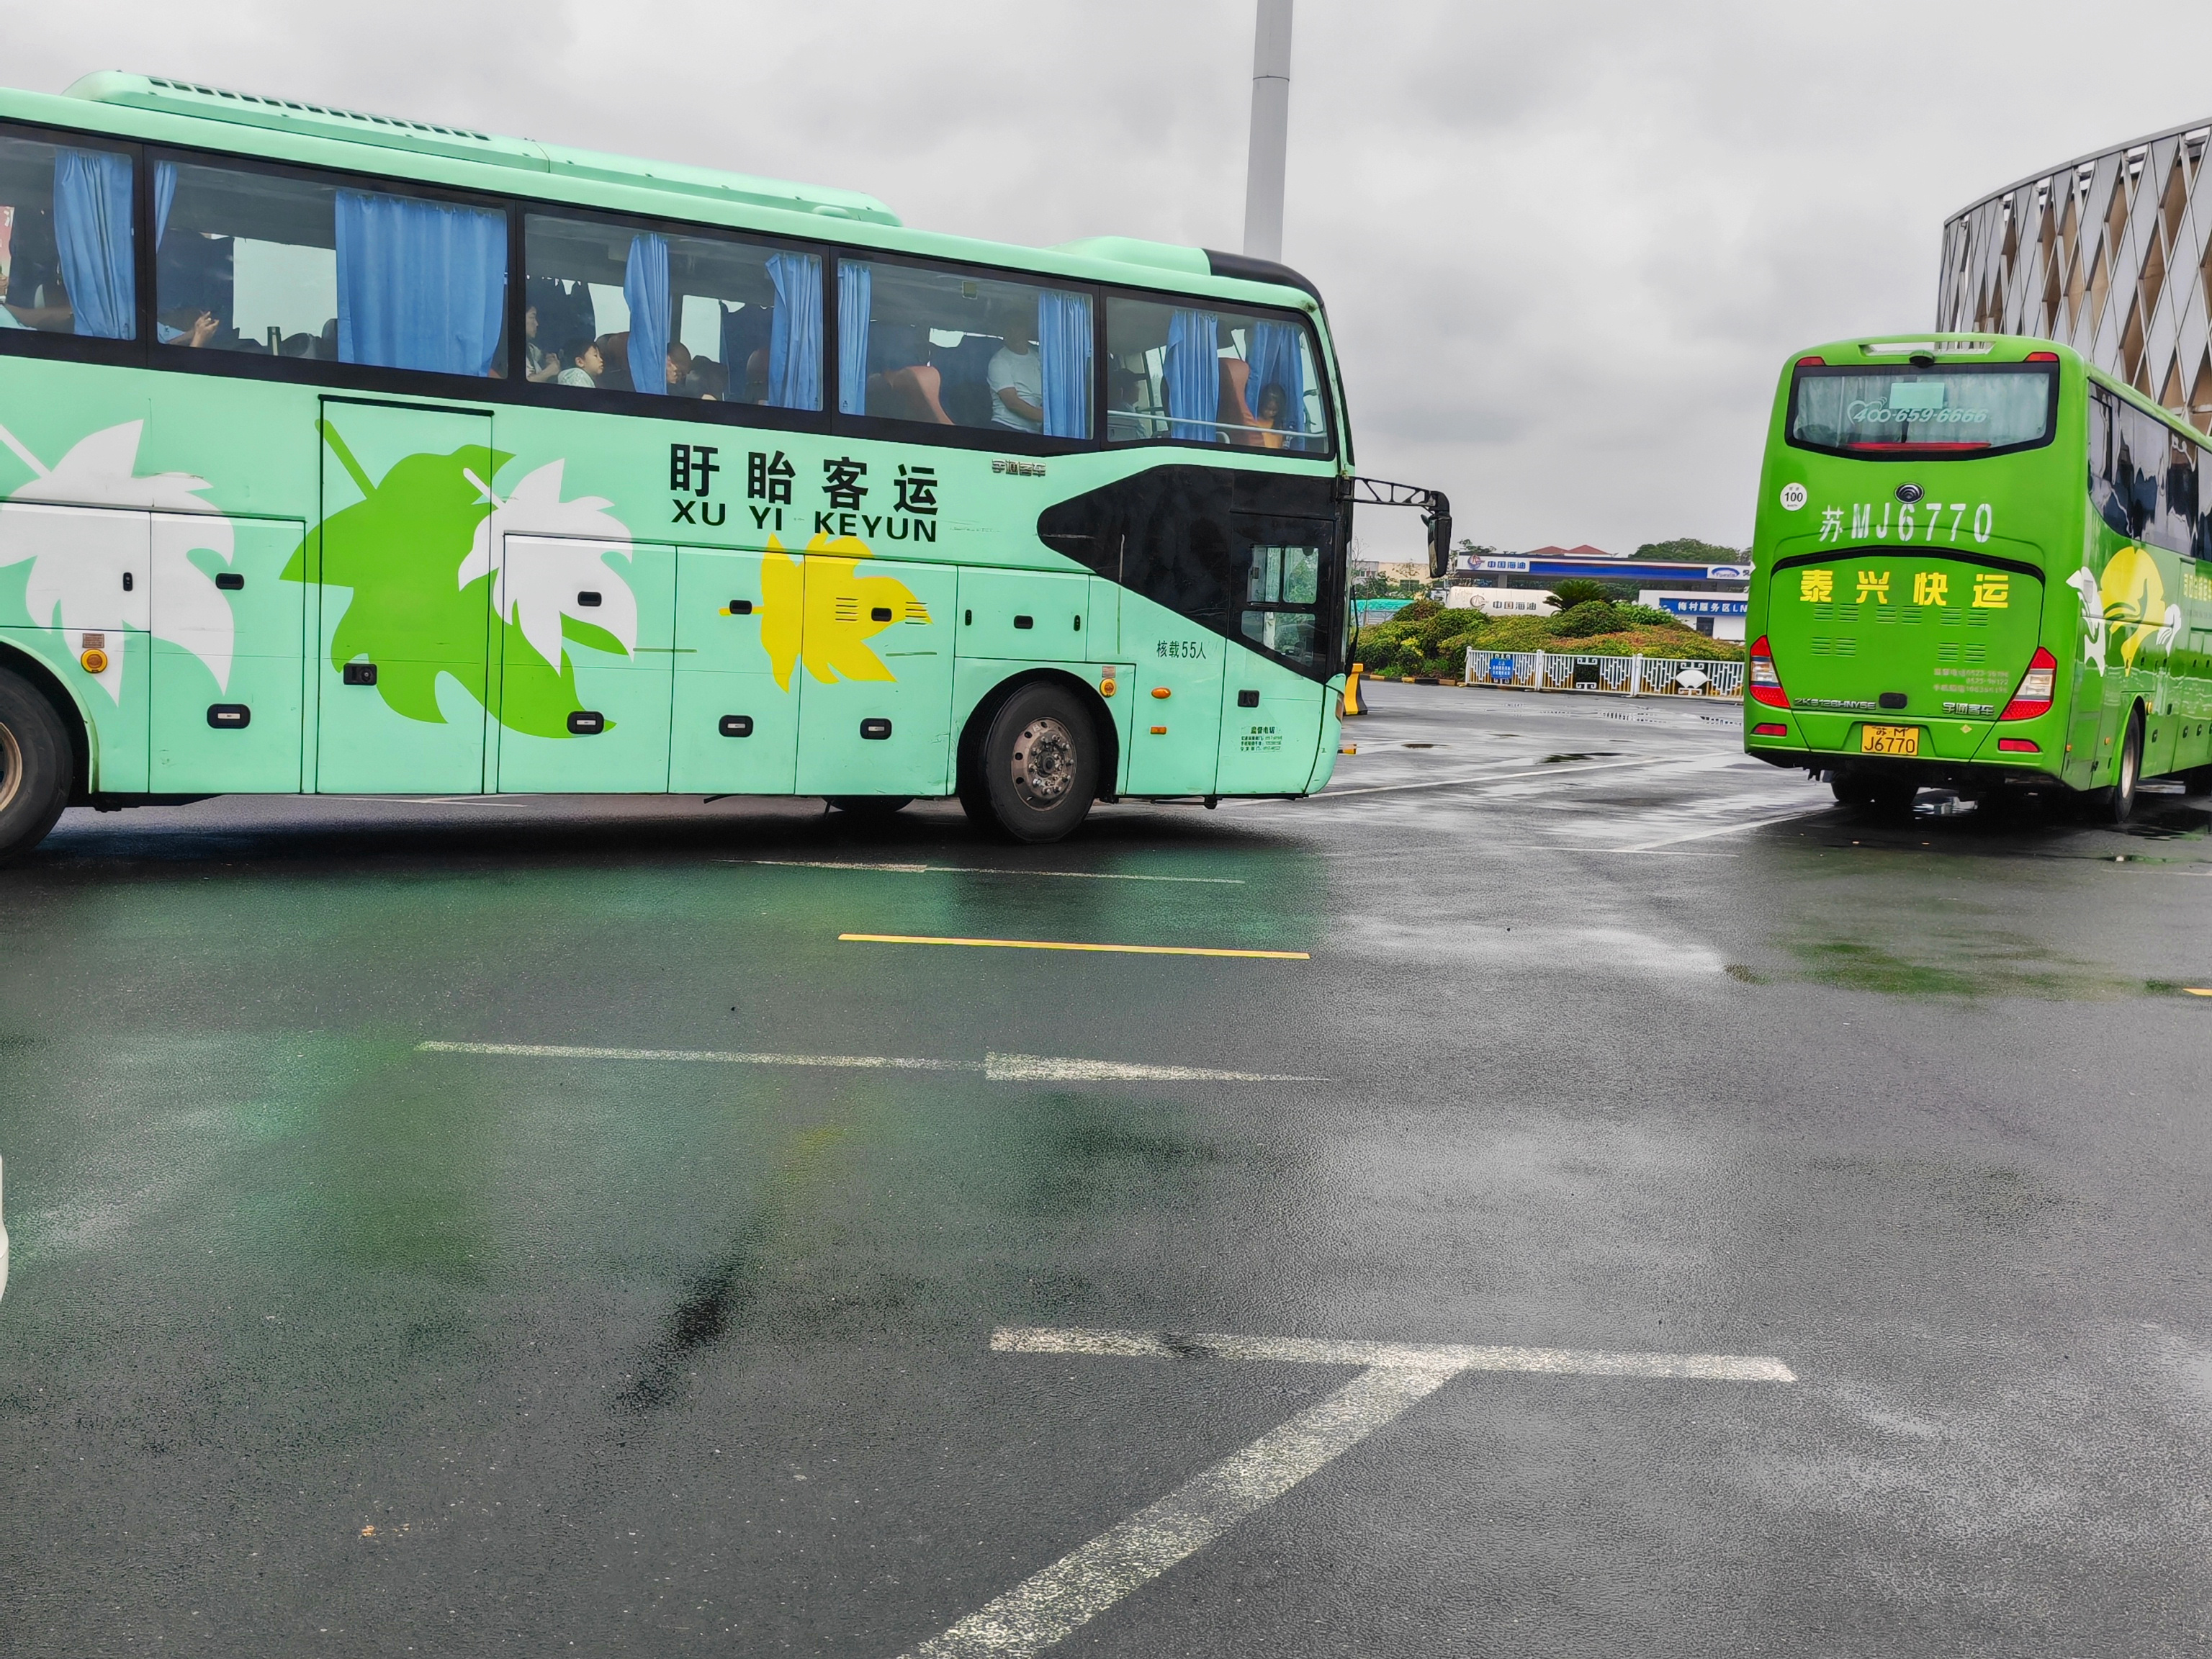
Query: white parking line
[
  {"x": 992, "y": 1067},
  {"x": 1487, "y": 777},
  {"x": 1085, "y": 1582},
  {"x": 1049, "y": 1605},
  {"x": 982, "y": 870},
  {"x": 1725, "y": 829},
  {"x": 709, "y": 1056},
  {"x": 1041, "y": 1069},
  {"x": 1399, "y": 1356}
]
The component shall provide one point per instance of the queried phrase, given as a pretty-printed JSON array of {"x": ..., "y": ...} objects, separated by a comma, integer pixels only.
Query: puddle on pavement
[
  {"x": 1994, "y": 1196},
  {"x": 1962, "y": 968}
]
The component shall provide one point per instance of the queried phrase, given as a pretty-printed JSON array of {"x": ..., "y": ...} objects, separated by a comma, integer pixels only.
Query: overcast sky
[{"x": 1566, "y": 248}]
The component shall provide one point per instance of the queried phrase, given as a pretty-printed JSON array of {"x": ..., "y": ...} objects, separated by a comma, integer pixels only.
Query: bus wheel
[
  {"x": 2116, "y": 802},
  {"x": 2119, "y": 801},
  {"x": 1037, "y": 770},
  {"x": 1872, "y": 793},
  {"x": 1850, "y": 788},
  {"x": 34, "y": 766},
  {"x": 869, "y": 807}
]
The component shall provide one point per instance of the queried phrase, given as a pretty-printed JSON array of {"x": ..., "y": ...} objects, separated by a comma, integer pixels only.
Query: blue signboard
[{"x": 1501, "y": 670}]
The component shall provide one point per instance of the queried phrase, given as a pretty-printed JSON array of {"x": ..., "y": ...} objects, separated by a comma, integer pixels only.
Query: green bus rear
[
  {"x": 1979, "y": 566},
  {"x": 336, "y": 457}
]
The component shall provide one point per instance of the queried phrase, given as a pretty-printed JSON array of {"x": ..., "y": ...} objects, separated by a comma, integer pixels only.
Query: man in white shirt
[{"x": 1016, "y": 375}]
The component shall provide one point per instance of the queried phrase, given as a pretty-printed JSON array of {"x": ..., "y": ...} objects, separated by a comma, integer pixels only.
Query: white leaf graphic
[
  {"x": 76, "y": 556},
  {"x": 533, "y": 591}
]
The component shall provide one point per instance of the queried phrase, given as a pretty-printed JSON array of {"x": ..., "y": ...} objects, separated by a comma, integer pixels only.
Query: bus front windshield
[{"x": 1979, "y": 411}]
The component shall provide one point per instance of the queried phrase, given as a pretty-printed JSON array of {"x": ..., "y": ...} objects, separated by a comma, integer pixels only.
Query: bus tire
[
  {"x": 1872, "y": 793},
  {"x": 1035, "y": 772},
  {"x": 2117, "y": 803},
  {"x": 34, "y": 766},
  {"x": 869, "y": 807}
]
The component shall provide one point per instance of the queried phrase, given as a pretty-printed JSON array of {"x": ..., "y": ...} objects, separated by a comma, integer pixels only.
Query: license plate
[{"x": 1889, "y": 740}]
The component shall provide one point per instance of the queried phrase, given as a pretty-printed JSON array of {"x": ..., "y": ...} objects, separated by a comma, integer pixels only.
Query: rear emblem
[{"x": 1909, "y": 493}]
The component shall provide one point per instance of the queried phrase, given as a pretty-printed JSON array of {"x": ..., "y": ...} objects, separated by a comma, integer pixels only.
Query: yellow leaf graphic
[
  {"x": 824, "y": 611},
  {"x": 2135, "y": 599},
  {"x": 783, "y": 585}
]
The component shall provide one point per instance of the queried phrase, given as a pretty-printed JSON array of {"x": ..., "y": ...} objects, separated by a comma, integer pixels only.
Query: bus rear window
[{"x": 1963, "y": 411}]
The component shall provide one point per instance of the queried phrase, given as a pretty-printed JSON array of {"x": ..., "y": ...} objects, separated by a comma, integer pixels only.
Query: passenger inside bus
[
  {"x": 1016, "y": 375},
  {"x": 584, "y": 364},
  {"x": 539, "y": 364}
]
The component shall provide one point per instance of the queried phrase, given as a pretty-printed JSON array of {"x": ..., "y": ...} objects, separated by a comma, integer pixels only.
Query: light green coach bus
[
  {"x": 343, "y": 454},
  {"x": 1985, "y": 565}
]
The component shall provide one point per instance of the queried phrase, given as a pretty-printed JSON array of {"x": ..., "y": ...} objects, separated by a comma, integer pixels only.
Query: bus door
[
  {"x": 1176, "y": 718},
  {"x": 876, "y": 715},
  {"x": 400, "y": 675},
  {"x": 585, "y": 670},
  {"x": 229, "y": 645},
  {"x": 1272, "y": 703},
  {"x": 736, "y": 729}
]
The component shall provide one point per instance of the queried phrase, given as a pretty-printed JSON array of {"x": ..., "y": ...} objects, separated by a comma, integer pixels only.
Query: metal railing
[{"x": 1631, "y": 676}]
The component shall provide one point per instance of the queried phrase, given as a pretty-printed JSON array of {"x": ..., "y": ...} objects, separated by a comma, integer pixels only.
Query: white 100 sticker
[
  {"x": 1793, "y": 497},
  {"x": 1983, "y": 519}
]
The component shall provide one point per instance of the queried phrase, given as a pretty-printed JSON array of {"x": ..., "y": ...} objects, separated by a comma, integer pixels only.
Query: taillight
[
  {"x": 1766, "y": 683},
  {"x": 1812, "y": 362},
  {"x": 2036, "y": 688},
  {"x": 2042, "y": 357},
  {"x": 1769, "y": 729},
  {"x": 2019, "y": 745}
]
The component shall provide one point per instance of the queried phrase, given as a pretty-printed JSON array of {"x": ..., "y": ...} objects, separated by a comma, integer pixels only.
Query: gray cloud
[{"x": 1566, "y": 248}]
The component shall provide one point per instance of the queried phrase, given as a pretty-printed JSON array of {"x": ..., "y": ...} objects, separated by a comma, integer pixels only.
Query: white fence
[{"x": 1632, "y": 676}]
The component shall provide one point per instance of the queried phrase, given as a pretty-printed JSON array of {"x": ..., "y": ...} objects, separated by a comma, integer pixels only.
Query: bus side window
[
  {"x": 2201, "y": 544},
  {"x": 2178, "y": 494},
  {"x": 715, "y": 318},
  {"x": 269, "y": 264},
  {"x": 66, "y": 261},
  {"x": 1191, "y": 373},
  {"x": 946, "y": 348}
]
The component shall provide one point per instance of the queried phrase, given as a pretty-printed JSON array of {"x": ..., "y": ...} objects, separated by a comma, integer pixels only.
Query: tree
[
  {"x": 1688, "y": 550},
  {"x": 1579, "y": 590}
]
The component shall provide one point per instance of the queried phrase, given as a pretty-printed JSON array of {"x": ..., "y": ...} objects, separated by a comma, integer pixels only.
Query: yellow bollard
[{"x": 1352, "y": 703}]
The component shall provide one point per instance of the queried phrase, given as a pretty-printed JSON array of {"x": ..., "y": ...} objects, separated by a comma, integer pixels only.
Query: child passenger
[{"x": 585, "y": 365}]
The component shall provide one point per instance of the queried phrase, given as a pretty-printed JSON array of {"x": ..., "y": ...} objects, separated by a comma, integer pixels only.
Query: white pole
[{"x": 1271, "y": 130}]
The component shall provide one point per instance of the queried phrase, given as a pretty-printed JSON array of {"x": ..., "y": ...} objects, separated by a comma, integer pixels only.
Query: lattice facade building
[{"x": 2111, "y": 254}]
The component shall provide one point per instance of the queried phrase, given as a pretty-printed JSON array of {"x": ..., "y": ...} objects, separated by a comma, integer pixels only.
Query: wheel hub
[
  {"x": 1044, "y": 762},
  {"x": 11, "y": 766}
]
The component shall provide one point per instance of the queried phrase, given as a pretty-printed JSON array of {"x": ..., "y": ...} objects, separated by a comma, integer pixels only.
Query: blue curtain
[
  {"x": 1277, "y": 361},
  {"x": 165, "y": 197},
  {"x": 420, "y": 285},
  {"x": 794, "y": 341},
  {"x": 1195, "y": 376},
  {"x": 855, "y": 292},
  {"x": 92, "y": 234},
  {"x": 645, "y": 291},
  {"x": 1063, "y": 345}
]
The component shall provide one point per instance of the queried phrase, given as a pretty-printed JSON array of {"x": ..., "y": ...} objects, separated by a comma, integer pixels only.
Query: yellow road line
[
  {"x": 2197, "y": 992},
  {"x": 1057, "y": 945}
]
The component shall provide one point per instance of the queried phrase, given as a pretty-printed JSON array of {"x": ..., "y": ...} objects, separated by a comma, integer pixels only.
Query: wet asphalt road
[{"x": 320, "y": 1343}]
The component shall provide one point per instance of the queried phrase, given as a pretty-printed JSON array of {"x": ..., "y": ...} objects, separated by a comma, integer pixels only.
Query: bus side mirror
[{"x": 1440, "y": 536}]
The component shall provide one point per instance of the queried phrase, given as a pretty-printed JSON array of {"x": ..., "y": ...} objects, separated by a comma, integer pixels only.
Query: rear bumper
[{"x": 1953, "y": 752}]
